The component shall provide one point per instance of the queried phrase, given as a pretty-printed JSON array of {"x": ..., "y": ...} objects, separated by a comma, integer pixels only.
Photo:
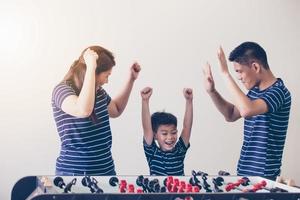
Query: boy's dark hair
[
  {"x": 248, "y": 52},
  {"x": 162, "y": 118}
]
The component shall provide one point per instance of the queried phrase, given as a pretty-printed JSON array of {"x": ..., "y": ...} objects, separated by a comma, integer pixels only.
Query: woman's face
[{"x": 102, "y": 78}]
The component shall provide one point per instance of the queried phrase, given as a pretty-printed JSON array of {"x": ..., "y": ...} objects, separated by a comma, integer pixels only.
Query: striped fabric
[
  {"x": 166, "y": 163},
  {"x": 264, "y": 135},
  {"x": 85, "y": 145}
]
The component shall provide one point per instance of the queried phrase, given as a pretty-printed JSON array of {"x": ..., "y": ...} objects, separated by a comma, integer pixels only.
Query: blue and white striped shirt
[
  {"x": 264, "y": 134},
  {"x": 166, "y": 163},
  {"x": 85, "y": 144}
]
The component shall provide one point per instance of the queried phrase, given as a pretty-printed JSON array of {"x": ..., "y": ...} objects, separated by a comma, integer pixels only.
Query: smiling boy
[{"x": 166, "y": 158}]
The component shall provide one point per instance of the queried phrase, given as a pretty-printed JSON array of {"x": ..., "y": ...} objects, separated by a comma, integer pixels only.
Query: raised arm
[
  {"x": 227, "y": 109},
  {"x": 118, "y": 104},
  {"x": 146, "y": 118},
  {"x": 83, "y": 105},
  {"x": 245, "y": 107},
  {"x": 188, "y": 116}
]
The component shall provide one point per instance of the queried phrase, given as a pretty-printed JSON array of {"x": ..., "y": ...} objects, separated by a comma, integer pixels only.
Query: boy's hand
[
  {"x": 135, "y": 70},
  {"x": 146, "y": 93},
  {"x": 90, "y": 58},
  {"x": 209, "y": 82},
  {"x": 188, "y": 93},
  {"x": 222, "y": 61}
]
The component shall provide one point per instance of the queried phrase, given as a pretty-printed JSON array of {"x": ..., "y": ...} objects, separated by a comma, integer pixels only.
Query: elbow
[
  {"x": 85, "y": 112},
  {"x": 245, "y": 113},
  {"x": 117, "y": 112},
  {"x": 115, "y": 115},
  {"x": 227, "y": 119},
  {"x": 229, "y": 116}
]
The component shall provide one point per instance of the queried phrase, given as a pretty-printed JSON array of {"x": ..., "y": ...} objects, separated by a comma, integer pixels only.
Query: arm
[
  {"x": 244, "y": 105},
  {"x": 228, "y": 110},
  {"x": 188, "y": 116},
  {"x": 118, "y": 104},
  {"x": 83, "y": 105},
  {"x": 146, "y": 119}
]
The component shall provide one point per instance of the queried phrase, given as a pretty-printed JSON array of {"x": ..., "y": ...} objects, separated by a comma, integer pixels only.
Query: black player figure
[{"x": 92, "y": 184}]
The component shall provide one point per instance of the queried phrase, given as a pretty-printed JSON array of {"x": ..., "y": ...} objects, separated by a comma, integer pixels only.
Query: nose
[{"x": 170, "y": 136}]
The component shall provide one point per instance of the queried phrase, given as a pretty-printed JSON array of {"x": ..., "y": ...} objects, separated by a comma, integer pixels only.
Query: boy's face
[
  {"x": 166, "y": 137},
  {"x": 246, "y": 74}
]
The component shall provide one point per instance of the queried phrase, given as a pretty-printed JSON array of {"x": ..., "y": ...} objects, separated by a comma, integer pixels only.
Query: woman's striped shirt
[{"x": 85, "y": 143}]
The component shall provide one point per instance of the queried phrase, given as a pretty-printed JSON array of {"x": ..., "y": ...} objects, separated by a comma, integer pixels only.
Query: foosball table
[{"x": 197, "y": 186}]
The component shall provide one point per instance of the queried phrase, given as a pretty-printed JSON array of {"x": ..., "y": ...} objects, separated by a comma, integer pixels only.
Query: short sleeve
[
  {"x": 108, "y": 99},
  {"x": 181, "y": 146},
  {"x": 60, "y": 92},
  {"x": 149, "y": 149},
  {"x": 102, "y": 93},
  {"x": 274, "y": 99}
]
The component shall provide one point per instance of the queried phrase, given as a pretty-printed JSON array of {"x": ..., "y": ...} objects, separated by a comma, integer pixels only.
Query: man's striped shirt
[
  {"x": 85, "y": 144},
  {"x": 264, "y": 134}
]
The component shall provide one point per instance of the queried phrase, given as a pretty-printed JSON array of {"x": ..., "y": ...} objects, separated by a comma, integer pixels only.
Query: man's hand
[
  {"x": 222, "y": 61},
  {"x": 209, "y": 83}
]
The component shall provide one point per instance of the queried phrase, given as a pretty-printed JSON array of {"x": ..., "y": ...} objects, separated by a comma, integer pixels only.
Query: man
[{"x": 265, "y": 108}]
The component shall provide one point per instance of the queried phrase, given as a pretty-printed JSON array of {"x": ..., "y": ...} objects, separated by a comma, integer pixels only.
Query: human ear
[{"x": 256, "y": 66}]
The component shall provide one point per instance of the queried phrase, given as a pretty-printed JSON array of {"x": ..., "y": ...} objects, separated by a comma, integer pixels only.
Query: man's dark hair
[
  {"x": 249, "y": 52},
  {"x": 162, "y": 118}
]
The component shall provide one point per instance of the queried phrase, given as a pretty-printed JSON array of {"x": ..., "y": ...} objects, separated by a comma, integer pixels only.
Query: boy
[
  {"x": 265, "y": 108},
  {"x": 166, "y": 158}
]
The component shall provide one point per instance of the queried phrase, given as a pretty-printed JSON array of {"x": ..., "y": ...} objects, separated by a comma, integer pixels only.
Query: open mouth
[{"x": 169, "y": 143}]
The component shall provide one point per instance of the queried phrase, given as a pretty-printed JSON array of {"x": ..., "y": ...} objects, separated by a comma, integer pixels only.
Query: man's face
[
  {"x": 246, "y": 74},
  {"x": 166, "y": 137}
]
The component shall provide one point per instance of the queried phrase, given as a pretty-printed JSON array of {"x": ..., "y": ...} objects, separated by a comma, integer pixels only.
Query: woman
[{"x": 81, "y": 109}]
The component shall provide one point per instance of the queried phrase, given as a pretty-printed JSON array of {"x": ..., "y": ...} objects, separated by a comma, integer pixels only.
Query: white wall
[{"x": 171, "y": 39}]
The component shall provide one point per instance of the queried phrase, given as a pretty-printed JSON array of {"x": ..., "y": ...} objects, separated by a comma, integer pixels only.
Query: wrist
[
  {"x": 212, "y": 92},
  {"x": 145, "y": 100},
  {"x": 131, "y": 79},
  {"x": 90, "y": 69},
  {"x": 226, "y": 75}
]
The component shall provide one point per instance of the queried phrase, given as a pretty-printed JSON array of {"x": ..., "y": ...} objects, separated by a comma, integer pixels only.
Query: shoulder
[
  {"x": 60, "y": 92},
  {"x": 101, "y": 92},
  {"x": 276, "y": 96},
  {"x": 278, "y": 91},
  {"x": 181, "y": 146},
  {"x": 63, "y": 88},
  {"x": 280, "y": 86},
  {"x": 152, "y": 145}
]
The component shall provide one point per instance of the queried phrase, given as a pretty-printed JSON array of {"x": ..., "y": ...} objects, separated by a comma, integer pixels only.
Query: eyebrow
[
  {"x": 163, "y": 131},
  {"x": 168, "y": 131}
]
